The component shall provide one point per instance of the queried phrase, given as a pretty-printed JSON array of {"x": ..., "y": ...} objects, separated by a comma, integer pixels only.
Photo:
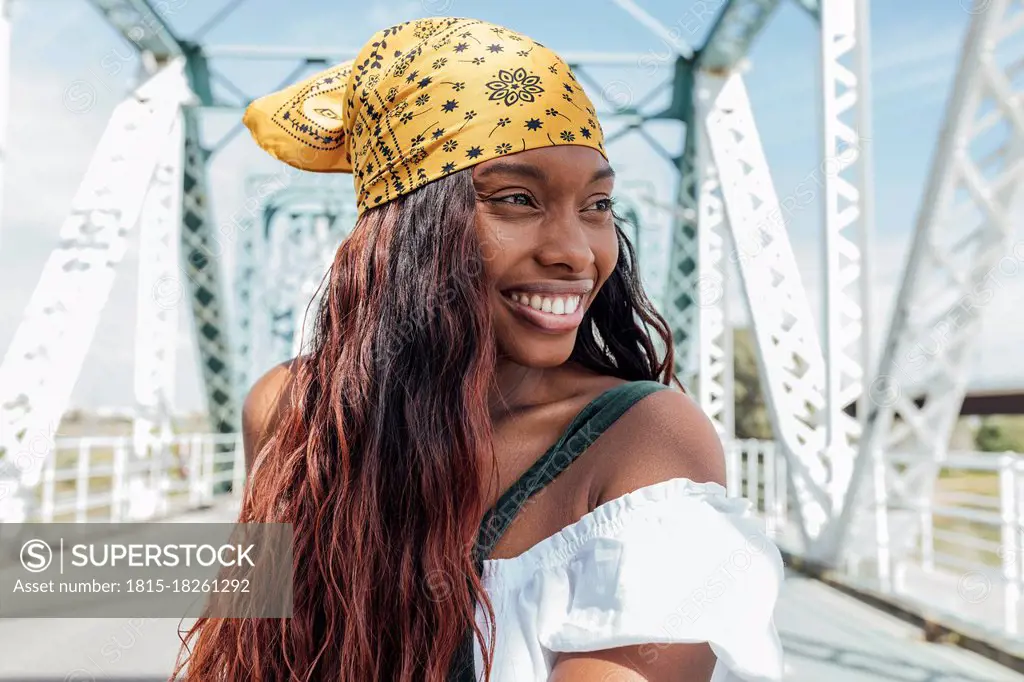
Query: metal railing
[
  {"x": 968, "y": 560},
  {"x": 90, "y": 479},
  {"x": 958, "y": 551}
]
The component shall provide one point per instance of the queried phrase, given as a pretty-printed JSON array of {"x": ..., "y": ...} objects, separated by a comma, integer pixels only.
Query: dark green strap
[{"x": 591, "y": 422}]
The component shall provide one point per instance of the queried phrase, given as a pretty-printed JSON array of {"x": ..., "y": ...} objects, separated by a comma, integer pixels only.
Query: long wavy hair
[{"x": 376, "y": 460}]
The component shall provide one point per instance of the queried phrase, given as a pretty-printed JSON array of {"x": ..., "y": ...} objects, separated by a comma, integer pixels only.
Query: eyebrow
[
  {"x": 606, "y": 172},
  {"x": 513, "y": 168},
  {"x": 531, "y": 171}
]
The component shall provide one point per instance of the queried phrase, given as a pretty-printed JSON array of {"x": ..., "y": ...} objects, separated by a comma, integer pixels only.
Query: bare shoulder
[
  {"x": 263, "y": 405},
  {"x": 664, "y": 435}
]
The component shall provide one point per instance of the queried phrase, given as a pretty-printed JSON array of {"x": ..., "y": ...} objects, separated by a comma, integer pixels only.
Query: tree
[
  {"x": 752, "y": 419},
  {"x": 996, "y": 434}
]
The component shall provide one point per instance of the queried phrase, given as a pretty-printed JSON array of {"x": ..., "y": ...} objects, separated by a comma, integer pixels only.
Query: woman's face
[{"x": 545, "y": 224}]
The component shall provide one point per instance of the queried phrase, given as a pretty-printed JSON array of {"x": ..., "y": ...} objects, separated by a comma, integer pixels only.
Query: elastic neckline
[{"x": 606, "y": 517}]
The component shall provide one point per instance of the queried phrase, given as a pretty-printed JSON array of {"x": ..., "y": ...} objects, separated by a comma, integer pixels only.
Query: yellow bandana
[{"x": 422, "y": 100}]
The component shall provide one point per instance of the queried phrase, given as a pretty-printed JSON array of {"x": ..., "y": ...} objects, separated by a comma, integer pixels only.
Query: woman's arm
[
  {"x": 670, "y": 436},
  {"x": 639, "y": 663}
]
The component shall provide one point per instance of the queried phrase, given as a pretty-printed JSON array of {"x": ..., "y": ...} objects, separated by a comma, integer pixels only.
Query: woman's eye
[
  {"x": 603, "y": 205},
  {"x": 518, "y": 199}
]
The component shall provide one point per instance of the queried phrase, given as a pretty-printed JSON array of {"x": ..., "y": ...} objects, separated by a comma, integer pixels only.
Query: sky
[{"x": 69, "y": 70}]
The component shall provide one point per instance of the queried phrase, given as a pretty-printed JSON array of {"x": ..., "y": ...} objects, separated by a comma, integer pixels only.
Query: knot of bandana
[{"x": 422, "y": 100}]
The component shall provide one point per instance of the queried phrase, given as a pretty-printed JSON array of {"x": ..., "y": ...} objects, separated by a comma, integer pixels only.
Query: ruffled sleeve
[{"x": 674, "y": 562}]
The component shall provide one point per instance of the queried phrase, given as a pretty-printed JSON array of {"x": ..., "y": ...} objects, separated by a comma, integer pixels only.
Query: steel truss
[
  {"x": 138, "y": 167},
  {"x": 681, "y": 311},
  {"x": 159, "y": 297},
  {"x": 808, "y": 391},
  {"x": 202, "y": 250},
  {"x": 848, "y": 213},
  {"x": 5, "y": 88},
  {"x": 714, "y": 331},
  {"x": 960, "y": 249},
  {"x": 727, "y": 214},
  {"x": 790, "y": 361},
  {"x": 248, "y": 257},
  {"x": 46, "y": 355},
  {"x": 302, "y": 227},
  {"x": 35, "y": 393}
]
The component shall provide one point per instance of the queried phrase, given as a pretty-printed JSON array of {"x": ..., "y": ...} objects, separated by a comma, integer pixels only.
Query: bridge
[
  {"x": 904, "y": 547},
  {"x": 831, "y": 630}
]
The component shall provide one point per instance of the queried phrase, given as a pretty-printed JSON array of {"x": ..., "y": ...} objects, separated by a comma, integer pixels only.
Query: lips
[
  {"x": 553, "y": 287},
  {"x": 548, "y": 322}
]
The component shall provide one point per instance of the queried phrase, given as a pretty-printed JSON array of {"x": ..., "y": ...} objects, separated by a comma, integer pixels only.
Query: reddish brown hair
[{"x": 377, "y": 462}]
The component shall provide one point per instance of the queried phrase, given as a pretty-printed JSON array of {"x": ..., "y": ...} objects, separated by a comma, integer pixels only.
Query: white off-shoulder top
[{"x": 672, "y": 562}]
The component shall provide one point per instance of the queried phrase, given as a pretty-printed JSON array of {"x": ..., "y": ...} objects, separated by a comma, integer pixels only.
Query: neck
[{"x": 516, "y": 387}]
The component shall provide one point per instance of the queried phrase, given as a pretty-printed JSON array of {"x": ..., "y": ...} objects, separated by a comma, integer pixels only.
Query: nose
[{"x": 566, "y": 243}]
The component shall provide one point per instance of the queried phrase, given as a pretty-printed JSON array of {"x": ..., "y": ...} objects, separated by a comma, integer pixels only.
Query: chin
[
  {"x": 529, "y": 345},
  {"x": 537, "y": 353},
  {"x": 545, "y": 360}
]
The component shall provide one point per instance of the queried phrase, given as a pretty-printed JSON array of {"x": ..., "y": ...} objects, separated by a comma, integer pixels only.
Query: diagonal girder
[
  {"x": 813, "y": 7},
  {"x": 848, "y": 210},
  {"x": 736, "y": 28},
  {"x": 158, "y": 296},
  {"x": 682, "y": 280},
  {"x": 142, "y": 25},
  {"x": 714, "y": 332},
  {"x": 201, "y": 256},
  {"x": 137, "y": 21},
  {"x": 248, "y": 293},
  {"x": 48, "y": 350},
  {"x": 789, "y": 354}
]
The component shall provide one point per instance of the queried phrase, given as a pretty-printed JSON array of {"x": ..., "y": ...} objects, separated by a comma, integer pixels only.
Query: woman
[{"x": 483, "y": 346}]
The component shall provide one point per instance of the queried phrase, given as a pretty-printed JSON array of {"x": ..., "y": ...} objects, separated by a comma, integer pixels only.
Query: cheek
[
  {"x": 494, "y": 239},
  {"x": 606, "y": 255},
  {"x": 497, "y": 249}
]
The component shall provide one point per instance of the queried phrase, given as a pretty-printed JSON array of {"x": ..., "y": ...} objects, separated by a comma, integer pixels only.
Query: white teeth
[{"x": 554, "y": 305}]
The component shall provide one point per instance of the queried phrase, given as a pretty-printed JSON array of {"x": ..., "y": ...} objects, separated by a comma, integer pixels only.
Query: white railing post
[
  {"x": 167, "y": 441},
  {"x": 782, "y": 486},
  {"x": 195, "y": 479},
  {"x": 119, "y": 482},
  {"x": 46, "y": 509},
  {"x": 733, "y": 468},
  {"x": 1009, "y": 540},
  {"x": 927, "y": 520},
  {"x": 82, "y": 481},
  {"x": 770, "y": 487},
  {"x": 238, "y": 470},
  {"x": 753, "y": 451},
  {"x": 157, "y": 467},
  {"x": 209, "y": 470},
  {"x": 883, "y": 552}
]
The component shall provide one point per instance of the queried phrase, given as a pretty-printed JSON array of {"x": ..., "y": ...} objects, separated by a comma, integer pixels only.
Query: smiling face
[{"x": 545, "y": 223}]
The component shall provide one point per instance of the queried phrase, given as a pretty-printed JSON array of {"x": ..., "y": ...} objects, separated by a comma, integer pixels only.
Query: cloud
[
  {"x": 910, "y": 52},
  {"x": 915, "y": 71}
]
